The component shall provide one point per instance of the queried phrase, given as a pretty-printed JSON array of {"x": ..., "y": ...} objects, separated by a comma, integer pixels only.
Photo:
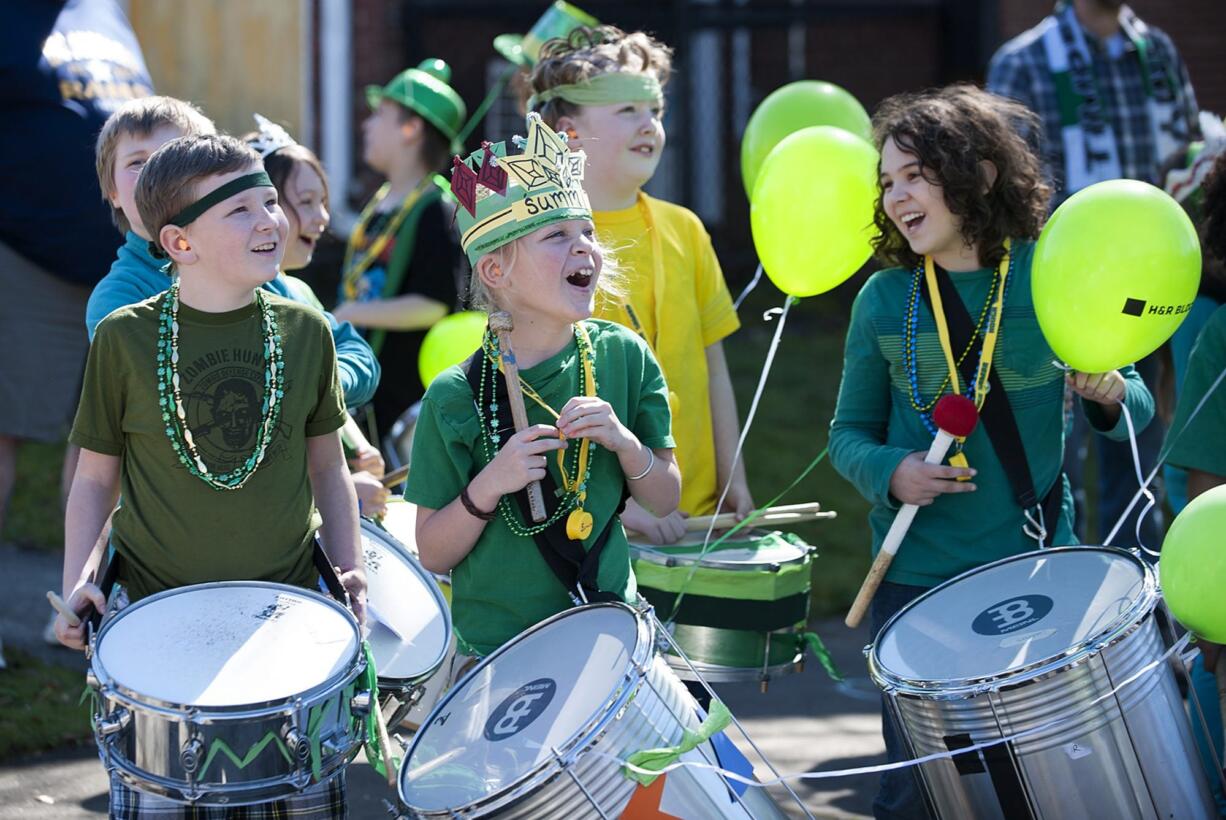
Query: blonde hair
[
  {"x": 589, "y": 52},
  {"x": 610, "y": 286},
  {"x": 141, "y": 117}
]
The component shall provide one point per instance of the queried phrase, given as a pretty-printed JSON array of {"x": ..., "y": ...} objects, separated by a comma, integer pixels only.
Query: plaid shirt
[
  {"x": 1020, "y": 70},
  {"x": 323, "y": 801}
]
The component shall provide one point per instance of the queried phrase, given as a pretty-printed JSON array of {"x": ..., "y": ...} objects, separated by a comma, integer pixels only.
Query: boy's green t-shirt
[
  {"x": 1201, "y": 443},
  {"x": 503, "y": 586},
  {"x": 173, "y": 529}
]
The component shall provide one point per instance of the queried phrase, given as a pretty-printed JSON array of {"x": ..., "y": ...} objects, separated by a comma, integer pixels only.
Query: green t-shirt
[
  {"x": 503, "y": 586},
  {"x": 1201, "y": 445},
  {"x": 875, "y": 427},
  {"x": 173, "y": 529}
]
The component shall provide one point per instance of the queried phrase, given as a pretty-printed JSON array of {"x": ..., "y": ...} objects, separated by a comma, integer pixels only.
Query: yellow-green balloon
[
  {"x": 812, "y": 209},
  {"x": 452, "y": 340},
  {"x": 795, "y": 106},
  {"x": 1192, "y": 569},
  {"x": 1115, "y": 270}
]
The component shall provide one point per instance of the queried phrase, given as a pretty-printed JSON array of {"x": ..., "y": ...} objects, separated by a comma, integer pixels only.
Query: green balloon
[
  {"x": 812, "y": 209},
  {"x": 795, "y": 106},
  {"x": 1115, "y": 270},
  {"x": 1192, "y": 569},
  {"x": 452, "y": 340}
]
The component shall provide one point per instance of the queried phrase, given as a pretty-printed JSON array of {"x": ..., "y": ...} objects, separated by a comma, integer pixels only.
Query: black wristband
[{"x": 472, "y": 508}]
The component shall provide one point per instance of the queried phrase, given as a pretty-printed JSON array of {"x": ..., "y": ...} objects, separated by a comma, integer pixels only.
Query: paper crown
[
  {"x": 559, "y": 20},
  {"x": 425, "y": 91},
  {"x": 505, "y": 196},
  {"x": 270, "y": 138}
]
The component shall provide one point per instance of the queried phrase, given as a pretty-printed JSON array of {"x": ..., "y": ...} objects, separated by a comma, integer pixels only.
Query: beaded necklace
[
  {"x": 352, "y": 270},
  {"x": 574, "y": 491},
  {"x": 989, "y": 316},
  {"x": 170, "y": 399}
]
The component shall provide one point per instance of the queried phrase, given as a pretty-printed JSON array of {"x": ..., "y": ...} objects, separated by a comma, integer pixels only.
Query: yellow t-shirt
[{"x": 680, "y": 313}]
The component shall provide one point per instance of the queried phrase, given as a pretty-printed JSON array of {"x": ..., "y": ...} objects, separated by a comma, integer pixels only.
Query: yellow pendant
[
  {"x": 578, "y": 524},
  {"x": 958, "y": 459}
]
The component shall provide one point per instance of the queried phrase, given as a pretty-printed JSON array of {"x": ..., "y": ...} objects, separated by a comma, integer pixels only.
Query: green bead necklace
[{"x": 170, "y": 399}]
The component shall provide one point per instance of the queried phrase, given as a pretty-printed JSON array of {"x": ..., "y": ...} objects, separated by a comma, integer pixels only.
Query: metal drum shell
[
  {"x": 145, "y": 754},
  {"x": 1139, "y": 780}
]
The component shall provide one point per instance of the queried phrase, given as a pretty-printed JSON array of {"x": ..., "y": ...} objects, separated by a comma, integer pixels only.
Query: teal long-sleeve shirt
[
  {"x": 136, "y": 275},
  {"x": 875, "y": 426}
]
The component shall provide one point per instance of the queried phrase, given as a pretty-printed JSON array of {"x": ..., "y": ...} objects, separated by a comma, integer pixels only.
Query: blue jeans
[{"x": 899, "y": 795}]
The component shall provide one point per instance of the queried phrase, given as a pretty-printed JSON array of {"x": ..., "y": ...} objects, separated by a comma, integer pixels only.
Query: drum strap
[
  {"x": 327, "y": 573},
  {"x": 996, "y": 413},
  {"x": 576, "y": 569}
]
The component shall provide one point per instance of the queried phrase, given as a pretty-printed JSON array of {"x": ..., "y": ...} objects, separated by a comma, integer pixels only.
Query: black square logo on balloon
[{"x": 1133, "y": 307}]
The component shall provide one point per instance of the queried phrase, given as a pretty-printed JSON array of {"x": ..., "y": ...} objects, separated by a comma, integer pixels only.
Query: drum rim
[
  {"x": 588, "y": 732},
  {"x": 431, "y": 583},
  {"x": 108, "y": 685},
  {"x": 651, "y": 554},
  {"x": 1114, "y": 631}
]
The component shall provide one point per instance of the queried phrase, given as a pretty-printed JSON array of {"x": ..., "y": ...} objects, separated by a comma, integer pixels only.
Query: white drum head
[
  {"x": 741, "y": 555},
  {"x": 407, "y": 616},
  {"x": 227, "y": 644},
  {"x": 534, "y": 694},
  {"x": 1012, "y": 614}
]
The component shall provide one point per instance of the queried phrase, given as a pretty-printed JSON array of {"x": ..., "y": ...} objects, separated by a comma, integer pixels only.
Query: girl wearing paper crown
[
  {"x": 962, "y": 199},
  {"x": 403, "y": 267},
  {"x": 596, "y": 406}
]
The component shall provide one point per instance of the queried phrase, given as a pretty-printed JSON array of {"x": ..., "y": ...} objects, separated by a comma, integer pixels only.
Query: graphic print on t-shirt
[{"x": 223, "y": 397}]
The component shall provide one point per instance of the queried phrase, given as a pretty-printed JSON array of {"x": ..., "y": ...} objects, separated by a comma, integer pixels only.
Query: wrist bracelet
[
  {"x": 651, "y": 462},
  {"x": 473, "y": 509}
]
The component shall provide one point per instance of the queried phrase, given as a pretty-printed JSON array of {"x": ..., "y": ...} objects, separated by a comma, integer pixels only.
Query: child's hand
[
  {"x": 372, "y": 495},
  {"x": 83, "y": 598},
  {"x": 592, "y": 418},
  {"x": 1102, "y": 388},
  {"x": 916, "y": 482},
  {"x": 368, "y": 459},
  {"x": 354, "y": 582},
  {"x": 521, "y": 461},
  {"x": 738, "y": 500},
  {"x": 667, "y": 530}
]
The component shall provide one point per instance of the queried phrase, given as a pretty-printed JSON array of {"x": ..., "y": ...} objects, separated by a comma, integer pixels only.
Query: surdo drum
[
  {"x": 228, "y": 693},
  {"x": 1025, "y": 646},
  {"x": 538, "y": 728}
]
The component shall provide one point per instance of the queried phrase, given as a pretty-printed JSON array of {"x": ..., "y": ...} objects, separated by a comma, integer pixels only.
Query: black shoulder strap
[
  {"x": 574, "y": 567},
  {"x": 996, "y": 414}
]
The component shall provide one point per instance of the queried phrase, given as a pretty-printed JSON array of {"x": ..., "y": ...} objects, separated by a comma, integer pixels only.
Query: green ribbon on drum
[{"x": 656, "y": 760}]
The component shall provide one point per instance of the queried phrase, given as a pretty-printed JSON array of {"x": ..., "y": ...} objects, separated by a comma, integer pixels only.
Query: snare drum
[
  {"x": 1031, "y": 641},
  {"x": 401, "y": 521},
  {"x": 229, "y": 693},
  {"x": 408, "y": 618},
  {"x": 538, "y": 728},
  {"x": 743, "y": 613}
]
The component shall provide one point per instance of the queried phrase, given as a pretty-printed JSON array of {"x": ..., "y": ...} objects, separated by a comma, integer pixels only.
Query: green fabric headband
[
  {"x": 185, "y": 217},
  {"x": 605, "y": 89}
]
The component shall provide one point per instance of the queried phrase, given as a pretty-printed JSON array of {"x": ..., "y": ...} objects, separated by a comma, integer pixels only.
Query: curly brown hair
[
  {"x": 588, "y": 52},
  {"x": 951, "y": 130},
  {"x": 1213, "y": 224}
]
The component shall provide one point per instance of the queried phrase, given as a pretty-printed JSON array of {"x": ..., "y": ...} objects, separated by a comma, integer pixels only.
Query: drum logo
[
  {"x": 1012, "y": 614},
  {"x": 520, "y": 709}
]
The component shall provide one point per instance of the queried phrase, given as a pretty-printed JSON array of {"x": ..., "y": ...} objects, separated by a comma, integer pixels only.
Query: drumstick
[
  {"x": 793, "y": 514},
  {"x": 58, "y": 603},
  {"x": 502, "y": 324},
  {"x": 395, "y": 477},
  {"x": 955, "y": 417},
  {"x": 385, "y": 744}
]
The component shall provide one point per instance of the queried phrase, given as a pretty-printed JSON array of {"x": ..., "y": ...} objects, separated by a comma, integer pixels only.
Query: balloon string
[
  {"x": 1151, "y": 502},
  {"x": 1163, "y": 454},
  {"x": 753, "y": 283}
]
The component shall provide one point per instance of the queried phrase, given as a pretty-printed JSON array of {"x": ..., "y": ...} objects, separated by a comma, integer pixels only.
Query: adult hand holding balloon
[
  {"x": 452, "y": 340},
  {"x": 1192, "y": 568},
  {"x": 812, "y": 209},
  {"x": 1115, "y": 270},
  {"x": 790, "y": 108}
]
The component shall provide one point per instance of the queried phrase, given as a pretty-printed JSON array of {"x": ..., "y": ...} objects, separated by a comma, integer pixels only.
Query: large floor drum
[{"x": 1027, "y": 642}]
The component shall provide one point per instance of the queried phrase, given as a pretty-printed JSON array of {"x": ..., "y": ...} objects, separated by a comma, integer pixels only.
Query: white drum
[
  {"x": 1024, "y": 646},
  {"x": 536, "y": 730},
  {"x": 408, "y": 619},
  {"x": 228, "y": 693}
]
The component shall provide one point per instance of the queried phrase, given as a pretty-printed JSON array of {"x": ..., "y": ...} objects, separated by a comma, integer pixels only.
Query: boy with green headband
[
  {"x": 596, "y": 404},
  {"x": 403, "y": 268},
  {"x": 215, "y": 408},
  {"x": 604, "y": 88}
]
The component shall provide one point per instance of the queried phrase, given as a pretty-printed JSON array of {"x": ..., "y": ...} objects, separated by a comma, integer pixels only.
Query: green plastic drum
[{"x": 743, "y": 605}]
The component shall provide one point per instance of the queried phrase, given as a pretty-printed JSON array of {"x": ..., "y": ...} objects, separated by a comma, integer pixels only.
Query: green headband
[
  {"x": 605, "y": 89},
  {"x": 185, "y": 217}
]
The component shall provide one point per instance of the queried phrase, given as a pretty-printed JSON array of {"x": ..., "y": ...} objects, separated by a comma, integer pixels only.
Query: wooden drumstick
[
  {"x": 955, "y": 417},
  {"x": 385, "y": 744},
  {"x": 61, "y": 607},
  {"x": 395, "y": 477},
  {"x": 789, "y": 514},
  {"x": 502, "y": 324}
]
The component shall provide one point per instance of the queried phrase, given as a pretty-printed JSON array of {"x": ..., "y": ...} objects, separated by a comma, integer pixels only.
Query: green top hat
[
  {"x": 425, "y": 91},
  {"x": 559, "y": 20}
]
